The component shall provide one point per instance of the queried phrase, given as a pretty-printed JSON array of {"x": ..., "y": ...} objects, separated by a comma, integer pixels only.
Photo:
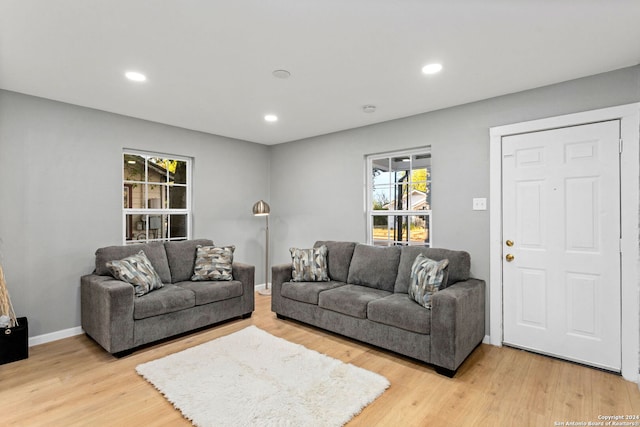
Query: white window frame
[
  {"x": 370, "y": 212},
  {"x": 156, "y": 211}
]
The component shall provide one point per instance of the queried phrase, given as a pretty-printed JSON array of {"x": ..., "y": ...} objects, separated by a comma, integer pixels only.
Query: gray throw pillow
[
  {"x": 309, "y": 265},
  {"x": 426, "y": 279},
  {"x": 213, "y": 263},
  {"x": 138, "y": 271}
]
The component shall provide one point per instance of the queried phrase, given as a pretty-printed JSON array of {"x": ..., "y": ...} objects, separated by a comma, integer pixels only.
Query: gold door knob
[
  {"x": 509, "y": 257},
  {"x": 509, "y": 243}
]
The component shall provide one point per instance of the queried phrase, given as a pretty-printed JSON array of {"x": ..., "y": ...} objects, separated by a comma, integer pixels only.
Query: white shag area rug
[{"x": 251, "y": 378}]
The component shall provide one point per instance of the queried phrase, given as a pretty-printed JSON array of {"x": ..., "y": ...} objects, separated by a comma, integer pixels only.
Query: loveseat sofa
[
  {"x": 366, "y": 298},
  {"x": 119, "y": 321}
]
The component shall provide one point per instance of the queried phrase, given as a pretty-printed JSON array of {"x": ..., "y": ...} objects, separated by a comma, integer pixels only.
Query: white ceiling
[{"x": 209, "y": 63}]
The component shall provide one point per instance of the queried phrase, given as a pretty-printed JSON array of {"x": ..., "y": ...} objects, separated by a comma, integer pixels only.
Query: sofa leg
[
  {"x": 280, "y": 316},
  {"x": 446, "y": 372},
  {"x": 247, "y": 315},
  {"x": 121, "y": 354}
]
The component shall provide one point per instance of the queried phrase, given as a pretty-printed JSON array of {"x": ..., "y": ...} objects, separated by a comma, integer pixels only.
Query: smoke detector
[{"x": 281, "y": 74}]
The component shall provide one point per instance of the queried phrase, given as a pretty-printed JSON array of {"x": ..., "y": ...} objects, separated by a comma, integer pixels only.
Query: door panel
[
  {"x": 533, "y": 286},
  {"x": 561, "y": 208}
]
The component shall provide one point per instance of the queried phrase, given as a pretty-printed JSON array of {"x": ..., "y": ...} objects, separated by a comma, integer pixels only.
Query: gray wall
[
  {"x": 317, "y": 185},
  {"x": 60, "y": 182},
  {"x": 60, "y": 197}
]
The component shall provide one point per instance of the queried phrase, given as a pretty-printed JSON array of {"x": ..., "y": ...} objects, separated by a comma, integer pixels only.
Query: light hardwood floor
[{"x": 73, "y": 382}]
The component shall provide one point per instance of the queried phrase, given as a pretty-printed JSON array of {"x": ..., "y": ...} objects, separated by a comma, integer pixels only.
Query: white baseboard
[
  {"x": 66, "y": 333},
  {"x": 54, "y": 336},
  {"x": 486, "y": 339},
  {"x": 259, "y": 286}
]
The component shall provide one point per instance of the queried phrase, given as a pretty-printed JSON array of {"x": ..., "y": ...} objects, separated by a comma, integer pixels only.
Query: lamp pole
[
  {"x": 267, "y": 289},
  {"x": 261, "y": 208}
]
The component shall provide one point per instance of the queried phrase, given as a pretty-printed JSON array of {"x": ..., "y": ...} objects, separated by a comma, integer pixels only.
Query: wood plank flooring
[{"x": 74, "y": 382}]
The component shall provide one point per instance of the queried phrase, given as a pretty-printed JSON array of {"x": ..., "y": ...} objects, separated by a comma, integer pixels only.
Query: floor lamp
[{"x": 261, "y": 208}]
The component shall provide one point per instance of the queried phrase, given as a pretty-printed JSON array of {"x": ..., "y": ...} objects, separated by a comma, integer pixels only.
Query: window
[
  {"x": 399, "y": 198},
  {"x": 156, "y": 197}
]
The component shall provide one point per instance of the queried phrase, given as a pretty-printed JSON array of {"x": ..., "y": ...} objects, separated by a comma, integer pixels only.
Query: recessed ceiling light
[
  {"x": 369, "y": 108},
  {"x": 271, "y": 118},
  {"x": 135, "y": 76},
  {"x": 432, "y": 68}
]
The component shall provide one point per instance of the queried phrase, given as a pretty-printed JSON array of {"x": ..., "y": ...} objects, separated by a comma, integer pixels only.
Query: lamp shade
[{"x": 261, "y": 208}]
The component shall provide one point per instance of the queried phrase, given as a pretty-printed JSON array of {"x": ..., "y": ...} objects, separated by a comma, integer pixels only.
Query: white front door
[{"x": 561, "y": 243}]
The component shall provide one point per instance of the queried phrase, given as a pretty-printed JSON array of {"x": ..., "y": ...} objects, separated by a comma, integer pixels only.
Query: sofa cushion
[
  {"x": 374, "y": 266},
  {"x": 339, "y": 256},
  {"x": 182, "y": 257},
  {"x": 350, "y": 299},
  {"x": 212, "y": 291},
  {"x": 399, "y": 311},
  {"x": 309, "y": 265},
  {"x": 458, "y": 269},
  {"x": 426, "y": 279},
  {"x": 307, "y": 291},
  {"x": 154, "y": 251},
  {"x": 213, "y": 263},
  {"x": 166, "y": 300},
  {"x": 138, "y": 271}
]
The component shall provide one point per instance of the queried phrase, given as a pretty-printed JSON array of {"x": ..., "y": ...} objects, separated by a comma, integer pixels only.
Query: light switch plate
[{"x": 480, "y": 204}]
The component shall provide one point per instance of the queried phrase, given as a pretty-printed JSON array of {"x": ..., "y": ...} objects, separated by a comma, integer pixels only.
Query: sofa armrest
[
  {"x": 279, "y": 274},
  {"x": 245, "y": 273},
  {"x": 457, "y": 322},
  {"x": 107, "y": 311}
]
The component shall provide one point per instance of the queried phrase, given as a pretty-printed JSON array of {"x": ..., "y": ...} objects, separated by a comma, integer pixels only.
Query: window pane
[
  {"x": 419, "y": 230},
  {"x": 419, "y": 189},
  {"x": 157, "y": 170},
  {"x": 157, "y": 196},
  {"x": 418, "y": 200},
  {"x": 155, "y": 226},
  {"x": 139, "y": 227},
  {"x": 380, "y": 232},
  {"x": 133, "y": 167},
  {"x": 381, "y": 180},
  {"x": 177, "y": 226},
  {"x": 129, "y": 226},
  {"x": 127, "y": 196},
  {"x": 400, "y": 177},
  {"x": 380, "y": 165},
  {"x": 400, "y": 229},
  {"x": 380, "y": 198},
  {"x": 178, "y": 173},
  {"x": 138, "y": 195},
  {"x": 419, "y": 177},
  {"x": 400, "y": 195},
  {"x": 177, "y": 197}
]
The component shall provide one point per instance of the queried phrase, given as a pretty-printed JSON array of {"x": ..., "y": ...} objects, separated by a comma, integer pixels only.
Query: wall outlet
[{"x": 480, "y": 204}]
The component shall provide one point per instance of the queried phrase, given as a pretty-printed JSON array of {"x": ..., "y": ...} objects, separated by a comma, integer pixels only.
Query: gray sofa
[
  {"x": 119, "y": 321},
  {"x": 366, "y": 299}
]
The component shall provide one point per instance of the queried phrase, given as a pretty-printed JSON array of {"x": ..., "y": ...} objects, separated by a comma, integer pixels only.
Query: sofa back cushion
[
  {"x": 339, "y": 256},
  {"x": 182, "y": 258},
  {"x": 458, "y": 269},
  {"x": 374, "y": 266},
  {"x": 154, "y": 251}
]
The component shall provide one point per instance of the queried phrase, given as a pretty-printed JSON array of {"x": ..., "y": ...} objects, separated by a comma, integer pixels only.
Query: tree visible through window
[
  {"x": 156, "y": 197},
  {"x": 399, "y": 198}
]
